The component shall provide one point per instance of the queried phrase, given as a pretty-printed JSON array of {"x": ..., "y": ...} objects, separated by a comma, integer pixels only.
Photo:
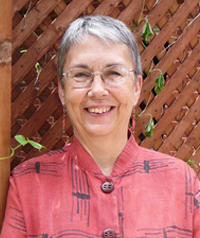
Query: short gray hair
[{"x": 106, "y": 29}]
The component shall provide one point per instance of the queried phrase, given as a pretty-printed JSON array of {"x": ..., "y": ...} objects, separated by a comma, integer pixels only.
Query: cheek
[
  {"x": 128, "y": 95},
  {"x": 74, "y": 98}
]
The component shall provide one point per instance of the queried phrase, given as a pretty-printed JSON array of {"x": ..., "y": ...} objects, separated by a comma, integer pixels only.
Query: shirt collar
[{"x": 123, "y": 162}]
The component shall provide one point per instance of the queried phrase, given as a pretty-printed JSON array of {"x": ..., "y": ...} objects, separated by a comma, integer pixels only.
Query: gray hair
[{"x": 106, "y": 29}]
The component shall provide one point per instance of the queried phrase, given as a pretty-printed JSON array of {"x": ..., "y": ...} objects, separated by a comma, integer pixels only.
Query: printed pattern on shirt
[
  {"x": 190, "y": 199},
  {"x": 17, "y": 221},
  {"x": 39, "y": 167},
  {"x": 68, "y": 233},
  {"x": 81, "y": 198},
  {"x": 80, "y": 194},
  {"x": 170, "y": 231}
]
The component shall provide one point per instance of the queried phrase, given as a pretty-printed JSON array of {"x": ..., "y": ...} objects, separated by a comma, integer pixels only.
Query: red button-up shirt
[{"x": 64, "y": 194}]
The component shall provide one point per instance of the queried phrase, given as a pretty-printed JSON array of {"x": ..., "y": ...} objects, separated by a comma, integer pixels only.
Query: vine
[
  {"x": 159, "y": 81},
  {"x": 38, "y": 69},
  {"x": 22, "y": 142},
  {"x": 190, "y": 161},
  {"x": 147, "y": 31},
  {"x": 146, "y": 34}
]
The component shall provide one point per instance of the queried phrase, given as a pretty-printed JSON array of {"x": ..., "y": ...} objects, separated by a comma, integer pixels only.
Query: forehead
[{"x": 92, "y": 51}]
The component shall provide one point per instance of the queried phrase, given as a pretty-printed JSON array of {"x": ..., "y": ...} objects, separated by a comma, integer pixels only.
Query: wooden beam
[{"x": 5, "y": 99}]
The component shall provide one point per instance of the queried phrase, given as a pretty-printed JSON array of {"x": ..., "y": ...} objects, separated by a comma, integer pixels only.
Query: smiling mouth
[{"x": 99, "y": 110}]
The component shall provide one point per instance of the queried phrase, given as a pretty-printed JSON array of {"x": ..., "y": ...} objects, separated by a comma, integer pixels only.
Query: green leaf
[
  {"x": 190, "y": 162},
  {"x": 35, "y": 144},
  {"x": 149, "y": 128},
  {"x": 23, "y": 51},
  {"x": 159, "y": 83},
  {"x": 21, "y": 139},
  {"x": 37, "y": 67},
  {"x": 146, "y": 32}
]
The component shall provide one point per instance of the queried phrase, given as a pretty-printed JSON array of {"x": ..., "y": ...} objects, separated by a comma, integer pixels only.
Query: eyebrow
[
  {"x": 87, "y": 67},
  {"x": 113, "y": 64},
  {"x": 81, "y": 66}
]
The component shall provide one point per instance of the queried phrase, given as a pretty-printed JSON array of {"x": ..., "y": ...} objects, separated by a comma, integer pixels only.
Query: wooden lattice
[{"x": 38, "y": 26}]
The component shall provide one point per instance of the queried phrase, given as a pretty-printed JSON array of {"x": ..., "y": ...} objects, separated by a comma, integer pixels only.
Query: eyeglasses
[{"x": 114, "y": 75}]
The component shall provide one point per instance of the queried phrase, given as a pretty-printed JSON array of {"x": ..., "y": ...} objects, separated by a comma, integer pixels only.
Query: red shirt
[{"x": 64, "y": 194}]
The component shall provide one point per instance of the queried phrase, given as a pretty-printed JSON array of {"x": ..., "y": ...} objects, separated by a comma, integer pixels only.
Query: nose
[{"x": 98, "y": 88}]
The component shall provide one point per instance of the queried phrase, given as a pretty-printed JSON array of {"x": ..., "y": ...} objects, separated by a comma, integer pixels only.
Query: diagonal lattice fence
[{"x": 173, "y": 50}]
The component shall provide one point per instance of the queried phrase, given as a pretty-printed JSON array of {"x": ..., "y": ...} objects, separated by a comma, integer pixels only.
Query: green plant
[
  {"x": 149, "y": 126},
  {"x": 146, "y": 31},
  {"x": 158, "y": 88},
  {"x": 38, "y": 67},
  {"x": 159, "y": 81},
  {"x": 22, "y": 142},
  {"x": 190, "y": 161}
]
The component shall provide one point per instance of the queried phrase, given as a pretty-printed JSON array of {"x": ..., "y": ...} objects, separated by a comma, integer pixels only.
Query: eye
[
  {"x": 80, "y": 75},
  {"x": 112, "y": 73}
]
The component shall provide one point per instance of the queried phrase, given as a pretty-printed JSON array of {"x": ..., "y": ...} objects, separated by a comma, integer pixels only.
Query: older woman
[{"x": 102, "y": 184}]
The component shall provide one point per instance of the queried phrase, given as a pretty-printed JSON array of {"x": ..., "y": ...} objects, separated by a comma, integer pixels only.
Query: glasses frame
[{"x": 101, "y": 75}]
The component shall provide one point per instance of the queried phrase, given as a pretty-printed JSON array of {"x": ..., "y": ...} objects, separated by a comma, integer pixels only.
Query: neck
[{"x": 104, "y": 149}]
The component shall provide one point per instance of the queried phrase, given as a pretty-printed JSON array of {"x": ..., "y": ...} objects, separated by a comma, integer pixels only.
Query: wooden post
[{"x": 5, "y": 99}]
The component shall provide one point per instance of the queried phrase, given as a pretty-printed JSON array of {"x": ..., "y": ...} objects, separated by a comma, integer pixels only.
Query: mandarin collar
[{"x": 124, "y": 161}]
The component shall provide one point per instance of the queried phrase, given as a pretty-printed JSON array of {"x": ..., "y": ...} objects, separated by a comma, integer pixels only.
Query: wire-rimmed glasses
[{"x": 80, "y": 77}]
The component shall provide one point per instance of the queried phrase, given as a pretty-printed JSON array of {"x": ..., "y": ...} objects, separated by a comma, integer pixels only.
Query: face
[{"x": 99, "y": 109}]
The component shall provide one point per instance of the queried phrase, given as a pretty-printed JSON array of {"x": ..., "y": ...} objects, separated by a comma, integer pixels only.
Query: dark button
[
  {"x": 109, "y": 233},
  {"x": 107, "y": 187}
]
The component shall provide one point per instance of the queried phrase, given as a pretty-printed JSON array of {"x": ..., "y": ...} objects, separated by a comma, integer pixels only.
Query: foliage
[
  {"x": 37, "y": 65},
  {"x": 190, "y": 162},
  {"x": 146, "y": 32},
  {"x": 158, "y": 88},
  {"x": 159, "y": 83},
  {"x": 149, "y": 128},
  {"x": 22, "y": 142}
]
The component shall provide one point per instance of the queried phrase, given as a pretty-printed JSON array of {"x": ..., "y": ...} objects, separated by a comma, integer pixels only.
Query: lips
[{"x": 99, "y": 110}]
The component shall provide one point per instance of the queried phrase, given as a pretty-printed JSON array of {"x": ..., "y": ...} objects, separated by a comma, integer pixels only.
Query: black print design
[
  {"x": 189, "y": 195},
  {"x": 55, "y": 152},
  {"x": 80, "y": 194},
  {"x": 67, "y": 233},
  {"x": 49, "y": 168},
  {"x": 170, "y": 231},
  {"x": 81, "y": 198},
  {"x": 151, "y": 166},
  {"x": 196, "y": 202},
  {"x": 70, "y": 233},
  {"x": 17, "y": 220}
]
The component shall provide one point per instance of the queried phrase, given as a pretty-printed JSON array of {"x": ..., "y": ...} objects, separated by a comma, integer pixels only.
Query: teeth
[{"x": 99, "y": 110}]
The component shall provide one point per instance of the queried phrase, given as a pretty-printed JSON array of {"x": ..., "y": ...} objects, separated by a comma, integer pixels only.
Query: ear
[
  {"x": 138, "y": 87},
  {"x": 61, "y": 92}
]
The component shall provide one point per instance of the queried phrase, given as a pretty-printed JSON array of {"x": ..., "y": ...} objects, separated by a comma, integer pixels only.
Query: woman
[{"x": 102, "y": 184}]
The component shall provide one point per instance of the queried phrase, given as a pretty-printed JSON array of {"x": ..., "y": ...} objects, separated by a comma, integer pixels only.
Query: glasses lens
[
  {"x": 79, "y": 77},
  {"x": 115, "y": 75}
]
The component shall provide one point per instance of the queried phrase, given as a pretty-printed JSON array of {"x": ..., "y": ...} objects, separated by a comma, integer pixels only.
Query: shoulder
[
  {"x": 150, "y": 154},
  {"x": 49, "y": 163},
  {"x": 165, "y": 165}
]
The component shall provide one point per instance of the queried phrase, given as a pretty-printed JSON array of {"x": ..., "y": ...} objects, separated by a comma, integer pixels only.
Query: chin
[{"x": 99, "y": 130}]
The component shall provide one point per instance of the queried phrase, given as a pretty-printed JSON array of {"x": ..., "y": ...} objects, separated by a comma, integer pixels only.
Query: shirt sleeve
[
  {"x": 14, "y": 224},
  {"x": 196, "y": 231}
]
